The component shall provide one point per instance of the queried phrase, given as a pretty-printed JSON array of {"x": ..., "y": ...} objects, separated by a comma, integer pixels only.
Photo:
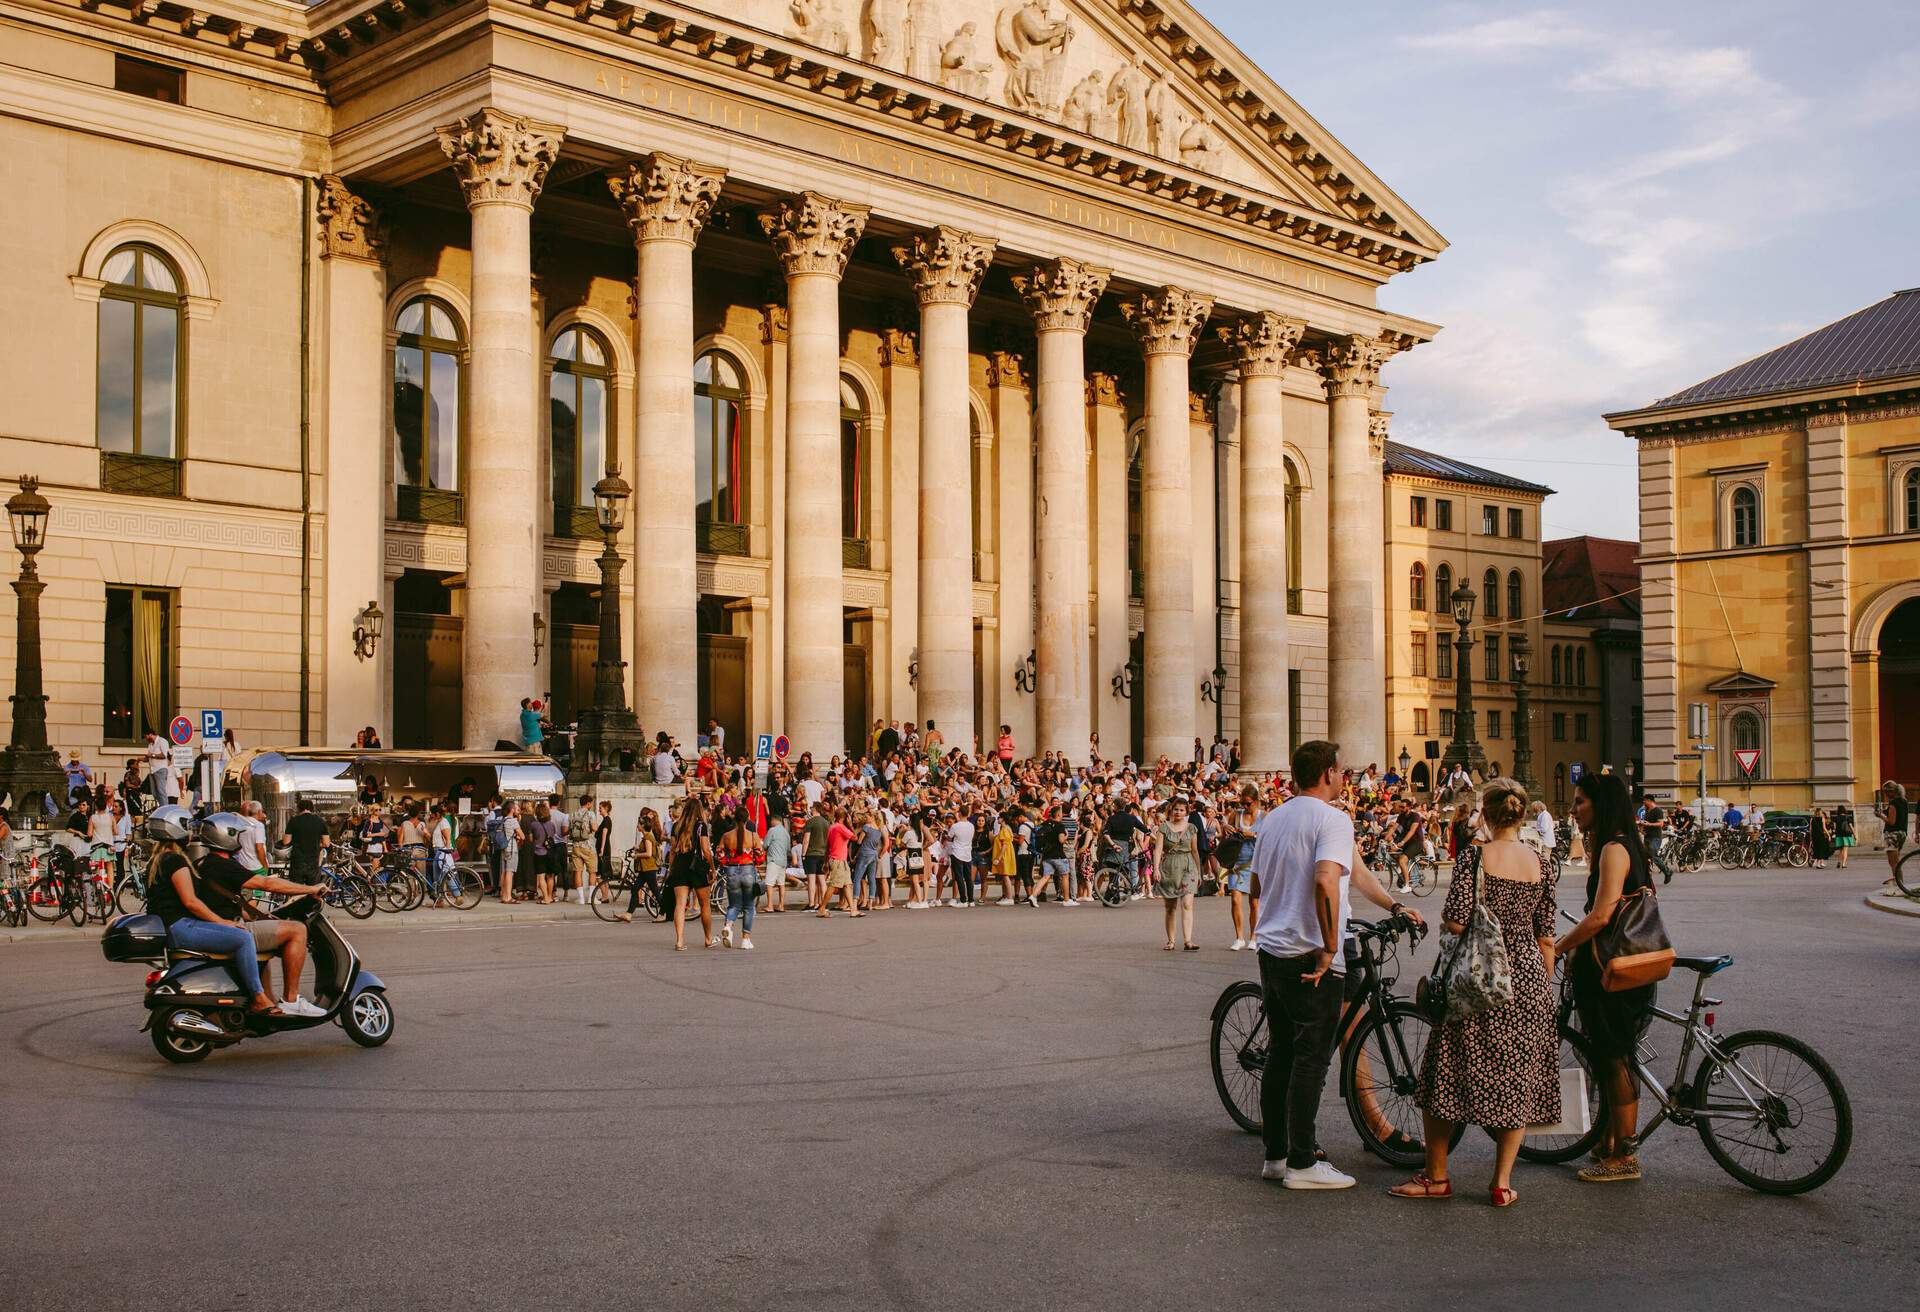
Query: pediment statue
[
  {"x": 1127, "y": 102},
  {"x": 883, "y": 30},
  {"x": 960, "y": 65},
  {"x": 1032, "y": 37},
  {"x": 815, "y": 24},
  {"x": 1086, "y": 107}
]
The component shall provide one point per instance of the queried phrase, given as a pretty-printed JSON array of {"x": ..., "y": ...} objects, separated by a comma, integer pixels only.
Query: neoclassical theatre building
[{"x": 981, "y": 361}]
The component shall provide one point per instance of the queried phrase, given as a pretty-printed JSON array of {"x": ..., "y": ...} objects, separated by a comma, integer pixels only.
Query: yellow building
[
  {"x": 1780, "y": 532},
  {"x": 1449, "y": 523}
]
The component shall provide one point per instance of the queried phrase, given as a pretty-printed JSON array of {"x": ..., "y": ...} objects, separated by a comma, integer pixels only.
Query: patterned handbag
[{"x": 1472, "y": 975}]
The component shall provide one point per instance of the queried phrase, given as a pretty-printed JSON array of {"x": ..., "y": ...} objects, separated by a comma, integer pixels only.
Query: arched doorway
[{"x": 1899, "y": 696}]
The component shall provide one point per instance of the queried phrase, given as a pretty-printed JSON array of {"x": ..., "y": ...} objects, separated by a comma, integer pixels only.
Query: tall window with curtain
[
  {"x": 720, "y": 455},
  {"x": 1490, "y": 594},
  {"x": 579, "y": 389},
  {"x": 1515, "y": 598},
  {"x": 137, "y": 691},
  {"x": 1295, "y": 601},
  {"x": 1745, "y": 733},
  {"x": 138, "y": 384},
  {"x": 1442, "y": 589},
  {"x": 854, "y": 489},
  {"x": 1417, "y": 587},
  {"x": 426, "y": 412}
]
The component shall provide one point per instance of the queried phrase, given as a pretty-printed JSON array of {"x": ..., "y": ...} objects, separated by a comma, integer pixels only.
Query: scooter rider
[
  {"x": 225, "y": 835},
  {"x": 180, "y": 895}
]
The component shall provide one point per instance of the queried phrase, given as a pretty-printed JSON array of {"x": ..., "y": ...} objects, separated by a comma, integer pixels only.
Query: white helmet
[
  {"x": 223, "y": 831},
  {"x": 169, "y": 824}
]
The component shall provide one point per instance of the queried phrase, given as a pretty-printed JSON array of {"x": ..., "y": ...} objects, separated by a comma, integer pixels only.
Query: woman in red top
[
  {"x": 839, "y": 876},
  {"x": 1005, "y": 745}
]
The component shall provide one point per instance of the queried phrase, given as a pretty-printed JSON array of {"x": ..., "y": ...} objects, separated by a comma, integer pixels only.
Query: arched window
[
  {"x": 138, "y": 385},
  {"x": 719, "y": 455},
  {"x": 426, "y": 411},
  {"x": 1442, "y": 589},
  {"x": 1745, "y": 504},
  {"x": 1296, "y": 604},
  {"x": 1910, "y": 501},
  {"x": 1556, "y": 666},
  {"x": 1580, "y": 667},
  {"x": 1417, "y": 587},
  {"x": 1560, "y": 782},
  {"x": 854, "y": 491},
  {"x": 577, "y": 405},
  {"x": 1490, "y": 594},
  {"x": 1515, "y": 599}
]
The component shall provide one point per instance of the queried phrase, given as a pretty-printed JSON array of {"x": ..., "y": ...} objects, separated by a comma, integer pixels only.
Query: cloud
[
  {"x": 1678, "y": 72},
  {"x": 1514, "y": 37}
]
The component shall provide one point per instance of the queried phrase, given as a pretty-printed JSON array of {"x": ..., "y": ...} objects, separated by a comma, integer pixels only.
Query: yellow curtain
[{"x": 150, "y": 654}]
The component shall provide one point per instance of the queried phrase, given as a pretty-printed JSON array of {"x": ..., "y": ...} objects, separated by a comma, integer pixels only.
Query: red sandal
[
  {"x": 1423, "y": 1187},
  {"x": 1502, "y": 1197}
]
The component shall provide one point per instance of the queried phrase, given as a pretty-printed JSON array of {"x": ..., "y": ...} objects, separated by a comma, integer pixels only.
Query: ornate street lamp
[
  {"x": 1464, "y": 749},
  {"x": 1521, "y": 654},
  {"x": 609, "y": 733},
  {"x": 366, "y": 630},
  {"x": 1406, "y": 764},
  {"x": 28, "y": 767}
]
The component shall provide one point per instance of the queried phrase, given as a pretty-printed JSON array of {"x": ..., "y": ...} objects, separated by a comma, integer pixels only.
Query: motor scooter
[{"x": 196, "y": 1003}]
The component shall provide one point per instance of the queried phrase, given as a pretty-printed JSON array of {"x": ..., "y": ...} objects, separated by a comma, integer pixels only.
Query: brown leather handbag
[{"x": 1633, "y": 949}]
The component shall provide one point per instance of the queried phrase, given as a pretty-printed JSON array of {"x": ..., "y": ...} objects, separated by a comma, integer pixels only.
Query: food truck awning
[{"x": 336, "y": 773}]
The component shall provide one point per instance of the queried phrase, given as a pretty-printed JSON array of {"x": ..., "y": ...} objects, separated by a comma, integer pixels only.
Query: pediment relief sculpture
[{"x": 816, "y": 23}]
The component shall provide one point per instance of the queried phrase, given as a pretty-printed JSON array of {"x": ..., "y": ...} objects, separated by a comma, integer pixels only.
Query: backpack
[
  {"x": 496, "y": 828},
  {"x": 580, "y": 827}
]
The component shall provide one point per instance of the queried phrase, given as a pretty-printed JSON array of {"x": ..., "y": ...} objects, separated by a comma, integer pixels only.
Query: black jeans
[{"x": 1302, "y": 1022}]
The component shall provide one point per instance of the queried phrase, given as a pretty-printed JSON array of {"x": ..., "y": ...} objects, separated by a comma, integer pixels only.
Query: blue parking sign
[
  {"x": 211, "y": 727},
  {"x": 763, "y": 747}
]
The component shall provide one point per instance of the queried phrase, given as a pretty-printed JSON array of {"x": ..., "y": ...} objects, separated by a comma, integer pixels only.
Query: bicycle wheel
[
  {"x": 1906, "y": 875},
  {"x": 416, "y": 888},
  {"x": 390, "y": 889},
  {"x": 1114, "y": 892},
  {"x": 469, "y": 886},
  {"x": 1379, "y": 1067},
  {"x": 356, "y": 896},
  {"x": 1574, "y": 1055},
  {"x": 47, "y": 898},
  {"x": 1426, "y": 878},
  {"x": 1240, "y": 1052},
  {"x": 655, "y": 903},
  {"x": 100, "y": 903},
  {"x": 128, "y": 896},
  {"x": 608, "y": 898},
  {"x": 1772, "y": 1113},
  {"x": 75, "y": 893}
]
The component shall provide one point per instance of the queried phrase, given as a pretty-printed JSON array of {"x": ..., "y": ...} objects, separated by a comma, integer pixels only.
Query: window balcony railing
[
  {"x": 720, "y": 539},
  {"x": 1296, "y": 601},
  {"x": 141, "y": 476},
  {"x": 571, "y": 521},
  {"x": 855, "y": 553},
  {"x": 429, "y": 505}
]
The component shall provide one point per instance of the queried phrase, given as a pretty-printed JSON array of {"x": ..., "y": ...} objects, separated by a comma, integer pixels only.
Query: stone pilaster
[
  {"x": 501, "y": 162},
  {"x": 1356, "y": 556}
]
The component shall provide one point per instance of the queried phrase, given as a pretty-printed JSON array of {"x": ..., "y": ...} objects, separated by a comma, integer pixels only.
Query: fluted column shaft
[
  {"x": 1168, "y": 322},
  {"x": 667, "y": 201},
  {"x": 813, "y": 237},
  {"x": 1062, "y": 296},
  {"x": 1262, "y": 345},
  {"x": 946, "y": 267},
  {"x": 501, "y": 161},
  {"x": 1356, "y": 684}
]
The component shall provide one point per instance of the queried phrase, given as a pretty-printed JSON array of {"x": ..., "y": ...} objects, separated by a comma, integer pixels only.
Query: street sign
[
  {"x": 1687, "y": 756},
  {"x": 182, "y": 756},
  {"x": 763, "y": 747},
  {"x": 180, "y": 732},
  {"x": 1696, "y": 719},
  {"x": 1748, "y": 758},
  {"x": 780, "y": 746},
  {"x": 212, "y": 725},
  {"x": 1575, "y": 770}
]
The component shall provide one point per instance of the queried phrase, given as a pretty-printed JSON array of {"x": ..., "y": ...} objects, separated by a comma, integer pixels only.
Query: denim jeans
[
  {"x": 863, "y": 868},
  {"x": 205, "y": 936},
  {"x": 740, "y": 882},
  {"x": 1302, "y": 1020}
]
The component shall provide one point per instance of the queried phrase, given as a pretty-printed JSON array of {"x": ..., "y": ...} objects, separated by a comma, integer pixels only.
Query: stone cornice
[{"x": 1781, "y": 415}]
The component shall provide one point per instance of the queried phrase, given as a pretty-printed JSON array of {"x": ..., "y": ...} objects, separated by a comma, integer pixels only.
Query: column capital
[
  {"x": 667, "y": 198},
  {"x": 1167, "y": 320},
  {"x": 1351, "y": 365},
  {"x": 1199, "y": 407},
  {"x": 1103, "y": 388},
  {"x": 945, "y": 264},
  {"x": 1062, "y": 294},
  {"x": 1263, "y": 343},
  {"x": 899, "y": 347},
  {"x": 812, "y": 233},
  {"x": 500, "y": 157},
  {"x": 1377, "y": 433},
  {"x": 349, "y": 227}
]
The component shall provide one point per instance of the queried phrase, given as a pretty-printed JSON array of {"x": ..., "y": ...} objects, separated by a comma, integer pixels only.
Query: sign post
[
  {"x": 212, "y": 726},
  {"x": 763, "y": 747}
]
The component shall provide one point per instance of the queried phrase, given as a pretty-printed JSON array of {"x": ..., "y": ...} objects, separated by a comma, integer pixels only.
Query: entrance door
[
  {"x": 1900, "y": 697},
  {"x": 855, "y": 685},
  {"x": 426, "y": 681},
  {"x": 723, "y": 687},
  {"x": 573, "y": 629}
]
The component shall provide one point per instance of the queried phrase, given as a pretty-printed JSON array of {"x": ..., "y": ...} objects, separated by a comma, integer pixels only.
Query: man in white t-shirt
[{"x": 1303, "y": 863}]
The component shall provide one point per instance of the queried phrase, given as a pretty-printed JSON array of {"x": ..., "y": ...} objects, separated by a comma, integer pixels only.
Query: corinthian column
[
  {"x": 355, "y": 283},
  {"x": 501, "y": 161},
  {"x": 1062, "y": 296},
  {"x": 1356, "y": 554},
  {"x": 667, "y": 201},
  {"x": 946, "y": 267},
  {"x": 1262, "y": 344},
  {"x": 814, "y": 236},
  {"x": 1168, "y": 323}
]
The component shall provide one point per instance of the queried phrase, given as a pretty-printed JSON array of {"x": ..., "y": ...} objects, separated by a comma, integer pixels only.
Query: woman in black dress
[
  {"x": 1612, "y": 1022},
  {"x": 1820, "y": 837},
  {"x": 690, "y": 872}
]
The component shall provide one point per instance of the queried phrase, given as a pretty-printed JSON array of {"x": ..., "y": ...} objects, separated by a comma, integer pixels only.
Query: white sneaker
[
  {"x": 746, "y": 945},
  {"x": 1004, "y": 902},
  {"x": 1070, "y": 902},
  {"x": 1238, "y": 944},
  {"x": 1321, "y": 1175},
  {"x": 301, "y": 1007},
  {"x": 1274, "y": 1170},
  {"x": 726, "y": 936}
]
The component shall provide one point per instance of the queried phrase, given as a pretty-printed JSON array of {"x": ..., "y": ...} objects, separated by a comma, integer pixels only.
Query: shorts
[
  {"x": 1055, "y": 867},
  {"x": 264, "y": 933},
  {"x": 815, "y": 865},
  {"x": 1896, "y": 840},
  {"x": 838, "y": 876},
  {"x": 1240, "y": 879}
]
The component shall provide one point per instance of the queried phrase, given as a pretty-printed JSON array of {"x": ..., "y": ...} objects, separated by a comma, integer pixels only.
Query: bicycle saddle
[{"x": 1705, "y": 965}]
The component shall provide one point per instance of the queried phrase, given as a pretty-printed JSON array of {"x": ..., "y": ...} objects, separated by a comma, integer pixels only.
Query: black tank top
[{"x": 1636, "y": 870}]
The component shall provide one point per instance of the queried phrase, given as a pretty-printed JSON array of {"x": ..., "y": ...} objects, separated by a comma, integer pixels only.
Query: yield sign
[{"x": 1748, "y": 757}]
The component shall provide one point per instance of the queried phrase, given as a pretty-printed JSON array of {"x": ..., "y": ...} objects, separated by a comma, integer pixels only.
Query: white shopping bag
[{"x": 1575, "y": 1116}]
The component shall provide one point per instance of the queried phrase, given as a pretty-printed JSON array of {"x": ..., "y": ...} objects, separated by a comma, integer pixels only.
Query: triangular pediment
[
  {"x": 1145, "y": 77},
  {"x": 1741, "y": 682}
]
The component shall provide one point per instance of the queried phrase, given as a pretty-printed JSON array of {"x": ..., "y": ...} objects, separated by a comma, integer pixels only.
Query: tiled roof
[
  {"x": 1881, "y": 341},
  {"x": 1404, "y": 459},
  {"x": 1590, "y": 578}
]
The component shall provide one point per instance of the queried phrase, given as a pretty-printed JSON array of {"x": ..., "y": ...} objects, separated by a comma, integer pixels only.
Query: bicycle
[
  {"x": 609, "y": 897},
  {"x": 1385, "y": 1038},
  {"x": 130, "y": 890},
  {"x": 350, "y": 892},
  {"x": 1116, "y": 878},
  {"x": 1423, "y": 875},
  {"x": 1906, "y": 873}
]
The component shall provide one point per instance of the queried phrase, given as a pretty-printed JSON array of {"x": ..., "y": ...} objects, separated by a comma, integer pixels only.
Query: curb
[{"x": 1893, "y": 904}]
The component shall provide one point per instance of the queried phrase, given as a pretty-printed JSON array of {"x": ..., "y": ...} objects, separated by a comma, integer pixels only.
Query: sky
[{"x": 1637, "y": 197}]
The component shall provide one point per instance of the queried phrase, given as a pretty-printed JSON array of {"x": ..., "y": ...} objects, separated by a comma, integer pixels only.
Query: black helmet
[{"x": 169, "y": 824}]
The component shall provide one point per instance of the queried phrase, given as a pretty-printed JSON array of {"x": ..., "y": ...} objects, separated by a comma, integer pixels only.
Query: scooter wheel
[
  {"x": 368, "y": 1018},
  {"x": 177, "y": 1048}
]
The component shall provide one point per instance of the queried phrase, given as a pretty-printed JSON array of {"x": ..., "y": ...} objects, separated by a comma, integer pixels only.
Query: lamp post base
[{"x": 28, "y": 772}]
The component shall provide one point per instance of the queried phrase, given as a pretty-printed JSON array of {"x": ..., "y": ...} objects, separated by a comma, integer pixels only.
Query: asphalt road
[{"x": 1001, "y": 1108}]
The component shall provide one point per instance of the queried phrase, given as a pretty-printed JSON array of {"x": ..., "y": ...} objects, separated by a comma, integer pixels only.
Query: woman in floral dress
[
  {"x": 1500, "y": 1069},
  {"x": 1176, "y": 861}
]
